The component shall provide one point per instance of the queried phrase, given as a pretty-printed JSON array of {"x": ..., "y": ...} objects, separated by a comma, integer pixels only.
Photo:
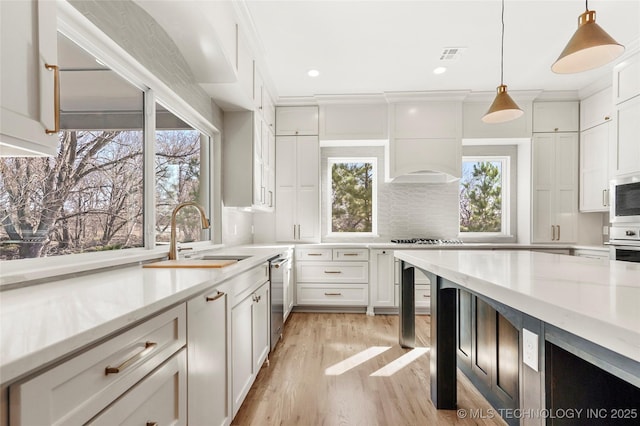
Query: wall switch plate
[
  {"x": 605, "y": 230},
  {"x": 530, "y": 348}
]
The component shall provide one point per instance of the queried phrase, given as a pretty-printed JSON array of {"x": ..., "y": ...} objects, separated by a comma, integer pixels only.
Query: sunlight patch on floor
[
  {"x": 400, "y": 363},
  {"x": 355, "y": 360}
]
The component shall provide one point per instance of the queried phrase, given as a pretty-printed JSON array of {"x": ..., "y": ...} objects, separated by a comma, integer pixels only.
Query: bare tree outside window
[{"x": 352, "y": 196}]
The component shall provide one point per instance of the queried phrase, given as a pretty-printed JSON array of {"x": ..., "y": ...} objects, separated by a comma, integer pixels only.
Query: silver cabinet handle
[
  {"x": 350, "y": 254},
  {"x": 314, "y": 254},
  {"x": 294, "y": 232},
  {"x": 558, "y": 232},
  {"x": 148, "y": 347},
  {"x": 553, "y": 232},
  {"x": 605, "y": 197},
  {"x": 270, "y": 198},
  {"x": 216, "y": 297},
  {"x": 332, "y": 272},
  {"x": 332, "y": 294}
]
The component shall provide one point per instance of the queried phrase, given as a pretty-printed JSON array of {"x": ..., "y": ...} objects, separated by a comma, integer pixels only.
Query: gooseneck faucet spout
[{"x": 173, "y": 246}]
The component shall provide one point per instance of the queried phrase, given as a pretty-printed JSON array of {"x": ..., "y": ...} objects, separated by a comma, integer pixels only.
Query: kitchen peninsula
[{"x": 533, "y": 331}]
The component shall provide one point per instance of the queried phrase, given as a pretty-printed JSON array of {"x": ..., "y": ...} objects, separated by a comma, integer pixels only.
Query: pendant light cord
[
  {"x": 502, "y": 47},
  {"x": 586, "y": 5}
]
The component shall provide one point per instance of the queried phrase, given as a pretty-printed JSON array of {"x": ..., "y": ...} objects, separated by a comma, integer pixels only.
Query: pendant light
[
  {"x": 590, "y": 47},
  {"x": 503, "y": 107}
]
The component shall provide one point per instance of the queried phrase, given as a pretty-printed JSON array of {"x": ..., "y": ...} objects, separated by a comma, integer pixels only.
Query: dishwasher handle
[{"x": 277, "y": 263}]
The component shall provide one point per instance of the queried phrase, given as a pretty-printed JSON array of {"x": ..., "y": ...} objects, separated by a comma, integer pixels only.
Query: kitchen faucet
[{"x": 173, "y": 246}]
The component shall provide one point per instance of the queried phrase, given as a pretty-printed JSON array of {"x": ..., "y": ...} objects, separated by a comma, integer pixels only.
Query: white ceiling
[{"x": 363, "y": 47}]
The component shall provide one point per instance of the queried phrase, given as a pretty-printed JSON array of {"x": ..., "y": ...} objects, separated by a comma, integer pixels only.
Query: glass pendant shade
[
  {"x": 590, "y": 47},
  {"x": 503, "y": 108}
]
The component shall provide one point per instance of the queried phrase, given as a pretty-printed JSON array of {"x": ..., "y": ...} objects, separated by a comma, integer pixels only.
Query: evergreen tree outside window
[
  {"x": 484, "y": 195},
  {"x": 352, "y": 196}
]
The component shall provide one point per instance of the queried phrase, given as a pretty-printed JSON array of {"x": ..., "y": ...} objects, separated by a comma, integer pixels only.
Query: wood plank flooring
[{"x": 307, "y": 383}]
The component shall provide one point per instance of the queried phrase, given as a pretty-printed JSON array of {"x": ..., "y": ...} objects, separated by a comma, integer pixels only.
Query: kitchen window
[
  {"x": 485, "y": 196},
  {"x": 115, "y": 178},
  {"x": 352, "y": 196}
]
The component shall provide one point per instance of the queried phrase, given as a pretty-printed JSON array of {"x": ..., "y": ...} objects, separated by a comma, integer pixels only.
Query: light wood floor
[{"x": 294, "y": 389}]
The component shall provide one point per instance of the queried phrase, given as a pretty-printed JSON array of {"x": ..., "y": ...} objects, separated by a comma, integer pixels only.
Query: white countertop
[
  {"x": 41, "y": 323},
  {"x": 598, "y": 300}
]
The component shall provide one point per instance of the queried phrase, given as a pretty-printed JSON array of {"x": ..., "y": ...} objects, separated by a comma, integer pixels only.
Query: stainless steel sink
[{"x": 224, "y": 257}]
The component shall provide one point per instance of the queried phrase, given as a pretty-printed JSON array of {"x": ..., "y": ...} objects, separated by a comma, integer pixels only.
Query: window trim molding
[{"x": 374, "y": 196}]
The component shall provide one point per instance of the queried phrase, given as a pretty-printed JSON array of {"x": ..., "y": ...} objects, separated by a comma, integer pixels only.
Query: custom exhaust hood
[{"x": 423, "y": 160}]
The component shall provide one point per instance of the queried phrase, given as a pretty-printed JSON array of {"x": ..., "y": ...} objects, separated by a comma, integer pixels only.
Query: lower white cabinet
[
  {"x": 159, "y": 399},
  {"x": 208, "y": 358},
  {"x": 381, "y": 282},
  {"x": 77, "y": 390},
  {"x": 332, "y": 277},
  {"x": 249, "y": 341}
]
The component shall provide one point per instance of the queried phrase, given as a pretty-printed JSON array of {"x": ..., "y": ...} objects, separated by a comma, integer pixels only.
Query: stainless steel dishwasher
[{"x": 277, "y": 268}]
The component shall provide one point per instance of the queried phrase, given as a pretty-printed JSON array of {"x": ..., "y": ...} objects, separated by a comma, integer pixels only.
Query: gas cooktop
[{"x": 433, "y": 241}]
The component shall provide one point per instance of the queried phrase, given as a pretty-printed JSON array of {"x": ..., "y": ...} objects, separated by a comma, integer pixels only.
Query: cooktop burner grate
[{"x": 433, "y": 241}]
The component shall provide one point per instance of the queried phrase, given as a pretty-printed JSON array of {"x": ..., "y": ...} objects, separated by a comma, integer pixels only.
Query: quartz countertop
[
  {"x": 39, "y": 324},
  {"x": 596, "y": 299}
]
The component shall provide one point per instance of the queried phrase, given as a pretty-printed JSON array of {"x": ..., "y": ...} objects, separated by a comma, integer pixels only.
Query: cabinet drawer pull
[
  {"x": 558, "y": 232},
  {"x": 314, "y": 254},
  {"x": 333, "y": 294},
  {"x": 148, "y": 347},
  {"x": 56, "y": 98},
  {"x": 350, "y": 254},
  {"x": 152, "y": 423},
  {"x": 426, "y": 296},
  {"x": 553, "y": 232},
  {"x": 605, "y": 197},
  {"x": 216, "y": 297},
  {"x": 606, "y": 117},
  {"x": 332, "y": 272}
]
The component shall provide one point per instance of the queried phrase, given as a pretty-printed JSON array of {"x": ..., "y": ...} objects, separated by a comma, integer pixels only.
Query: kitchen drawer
[
  {"x": 249, "y": 281},
  {"x": 161, "y": 398},
  {"x": 309, "y": 254},
  {"x": 351, "y": 254},
  {"x": 332, "y": 272},
  {"x": 333, "y": 294},
  {"x": 78, "y": 389}
]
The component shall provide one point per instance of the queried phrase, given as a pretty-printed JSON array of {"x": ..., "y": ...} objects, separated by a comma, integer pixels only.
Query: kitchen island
[{"x": 523, "y": 324}]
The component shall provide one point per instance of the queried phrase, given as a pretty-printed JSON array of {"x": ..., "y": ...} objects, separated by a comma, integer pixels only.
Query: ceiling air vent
[{"x": 451, "y": 54}]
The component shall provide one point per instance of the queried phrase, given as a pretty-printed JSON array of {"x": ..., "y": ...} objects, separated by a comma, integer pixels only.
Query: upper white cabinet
[
  {"x": 426, "y": 141},
  {"x": 627, "y": 136},
  {"x": 354, "y": 122},
  {"x": 554, "y": 187},
  {"x": 426, "y": 119},
  {"x": 556, "y": 116},
  {"x": 594, "y": 168},
  {"x": 248, "y": 148},
  {"x": 28, "y": 44},
  {"x": 297, "y": 188},
  {"x": 626, "y": 79},
  {"x": 626, "y": 93},
  {"x": 596, "y": 109},
  {"x": 298, "y": 120}
]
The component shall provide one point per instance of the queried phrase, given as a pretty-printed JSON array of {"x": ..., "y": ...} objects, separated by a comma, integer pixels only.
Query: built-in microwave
[{"x": 625, "y": 200}]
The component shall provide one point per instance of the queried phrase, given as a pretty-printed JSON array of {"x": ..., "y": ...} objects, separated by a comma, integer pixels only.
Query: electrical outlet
[
  {"x": 530, "y": 348},
  {"x": 605, "y": 230},
  {"x": 235, "y": 229}
]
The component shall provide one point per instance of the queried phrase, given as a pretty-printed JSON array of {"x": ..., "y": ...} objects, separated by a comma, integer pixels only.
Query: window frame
[
  {"x": 76, "y": 27},
  {"x": 374, "y": 196}
]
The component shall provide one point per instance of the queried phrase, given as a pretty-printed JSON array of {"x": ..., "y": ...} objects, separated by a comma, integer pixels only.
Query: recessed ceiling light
[
  {"x": 313, "y": 73},
  {"x": 440, "y": 70}
]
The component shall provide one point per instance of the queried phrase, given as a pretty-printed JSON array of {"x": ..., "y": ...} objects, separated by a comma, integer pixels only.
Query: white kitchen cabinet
[
  {"x": 297, "y": 189},
  {"x": 381, "y": 279},
  {"x": 596, "y": 109},
  {"x": 554, "y": 187},
  {"x": 626, "y": 146},
  {"x": 245, "y": 175},
  {"x": 556, "y": 116},
  {"x": 298, "y": 120},
  {"x": 288, "y": 289},
  {"x": 28, "y": 44},
  {"x": 626, "y": 79},
  {"x": 474, "y": 127},
  {"x": 354, "y": 122},
  {"x": 77, "y": 390},
  {"x": 594, "y": 168},
  {"x": 159, "y": 399},
  {"x": 208, "y": 359},
  {"x": 332, "y": 277},
  {"x": 249, "y": 330}
]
